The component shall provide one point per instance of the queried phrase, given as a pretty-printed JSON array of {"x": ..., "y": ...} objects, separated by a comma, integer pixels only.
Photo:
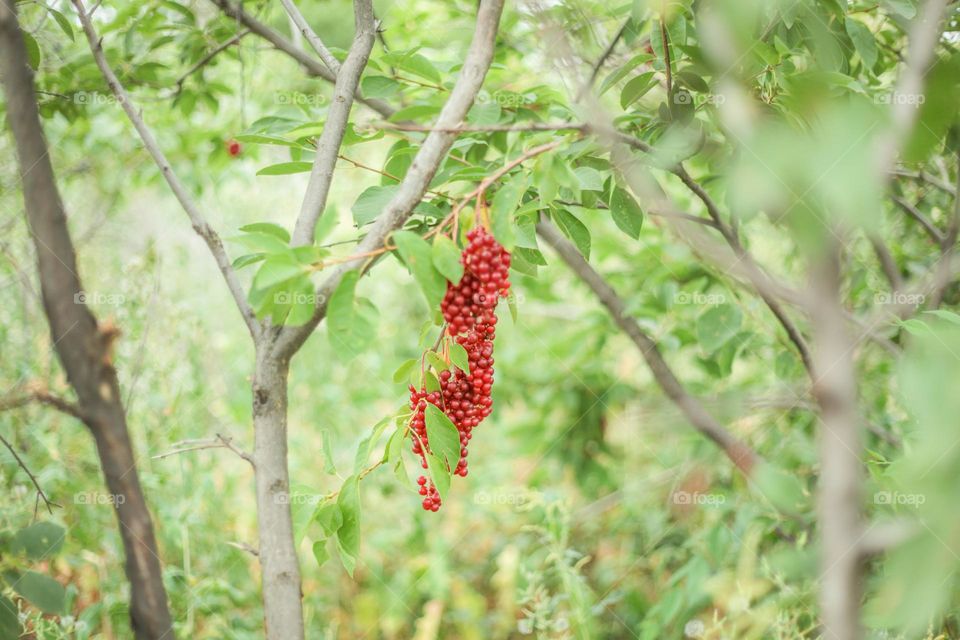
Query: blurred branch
[
  {"x": 33, "y": 478},
  {"x": 466, "y": 128},
  {"x": 887, "y": 264},
  {"x": 917, "y": 215},
  {"x": 923, "y": 176},
  {"x": 207, "y": 59},
  {"x": 739, "y": 453},
  {"x": 312, "y": 36},
  {"x": 41, "y": 396},
  {"x": 308, "y": 62},
  {"x": 422, "y": 170},
  {"x": 595, "y": 71},
  {"x": 840, "y": 483},
  {"x": 948, "y": 249},
  {"x": 219, "y": 441},
  {"x": 197, "y": 219},
  {"x": 335, "y": 126}
]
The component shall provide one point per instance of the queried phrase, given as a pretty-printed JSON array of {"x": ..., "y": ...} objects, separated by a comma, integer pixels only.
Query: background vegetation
[{"x": 592, "y": 509}]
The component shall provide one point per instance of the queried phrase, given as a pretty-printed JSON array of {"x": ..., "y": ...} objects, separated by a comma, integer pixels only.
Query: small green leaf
[
  {"x": 458, "y": 356},
  {"x": 276, "y": 269},
  {"x": 41, "y": 591},
  {"x": 285, "y": 169},
  {"x": 9, "y": 619},
  {"x": 268, "y": 228},
  {"x": 503, "y": 207},
  {"x": 40, "y": 540},
  {"x": 439, "y": 473},
  {"x": 33, "y": 50},
  {"x": 636, "y": 88},
  {"x": 329, "y": 517},
  {"x": 864, "y": 42},
  {"x": 571, "y": 227},
  {"x": 371, "y": 203},
  {"x": 442, "y": 437},
  {"x": 327, "y": 446},
  {"x": 438, "y": 363},
  {"x": 63, "y": 23},
  {"x": 418, "y": 256},
  {"x": 717, "y": 325},
  {"x": 446, "y": 258},
  {"x": 626, "y": 213},
  {"x": 348, "y": 535},
  {"x": 348, "y": 324},
  {"x": 261, "y": 243},
  {"x": 320, "y": 553},
  {"x": 403, "y": 371}
]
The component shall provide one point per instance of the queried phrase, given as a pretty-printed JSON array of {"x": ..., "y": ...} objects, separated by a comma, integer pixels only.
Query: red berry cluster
[{"x": 468, "y": 308}]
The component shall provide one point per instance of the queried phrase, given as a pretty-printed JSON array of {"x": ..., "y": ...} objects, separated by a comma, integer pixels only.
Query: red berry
[{"x": 233, "y": 147}]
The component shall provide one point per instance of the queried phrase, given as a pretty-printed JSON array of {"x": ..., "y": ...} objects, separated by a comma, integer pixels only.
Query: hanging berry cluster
[{"x": 468, "y": 309}]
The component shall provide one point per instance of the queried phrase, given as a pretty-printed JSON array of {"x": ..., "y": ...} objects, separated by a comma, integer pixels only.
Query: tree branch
[
  {"x": 308, "y": 62},
  {"x": 335, "y": 127},
  {"x": 917, "y": 215},
  {"x": 332, "y": 63},
  {"x": 219, "y": 441},
  {"x": 417, "y": 179},
  {"x": 49, "y": 504},
  {"x": 197, "y": 219},
  {"x": 739, "y": 453},
  {"x": 41, "y": 396},
  {"x": 207, "y": 59}
]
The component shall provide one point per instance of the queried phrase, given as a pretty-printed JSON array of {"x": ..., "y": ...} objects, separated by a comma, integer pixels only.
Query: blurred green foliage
[{"x": 591, "y": 509}]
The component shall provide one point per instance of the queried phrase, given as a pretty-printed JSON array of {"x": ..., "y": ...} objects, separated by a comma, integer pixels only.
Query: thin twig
[
  {"x": 33, "y": 478},
  {"x": 935, "y": 234},
  {"x": 205, "y": 60},
  {"x": 219, "y": 441},
  {"x": 328, "y": 59},
  {"x": 41, "y": 396}
]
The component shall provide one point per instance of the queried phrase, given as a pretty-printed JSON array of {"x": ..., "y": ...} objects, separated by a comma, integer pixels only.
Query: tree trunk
[
  {"x": 83, "y": 346},
  {"x": 280, "y": 568}
]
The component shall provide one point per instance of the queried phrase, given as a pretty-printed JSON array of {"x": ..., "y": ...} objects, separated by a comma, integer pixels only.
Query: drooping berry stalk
[{"x": 469, "y": 310}]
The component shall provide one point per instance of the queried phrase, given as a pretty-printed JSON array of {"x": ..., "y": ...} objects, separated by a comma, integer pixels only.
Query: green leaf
[
  {"x": 327, "y": 446},
  {"x": 320, "y": 553},
  {"x": 864, "y": 41},
  {"x": 503, "y": 207},
  {"x": 41, "y": 591},
  {"x": 371, "y": 203},
  {"x": 40, "y": 540},
  {"x": 443, "y": 438},
  {"x": 9, "y": 619},
  {"x": 261, "y": 243},
  {"x": 626, "y": 213},
  {"x": 285, "y": 168},
  {"x": 348, "y": 325},
  {"x": 348, "y": 535},
  {"x": 276, "y": 269},
  {"x": 33, "y": 50},
  {"x": 329, "y": 517},
  {"x": 248, "y": 259},
  {"x": 379, "y": 87},
  {"x": 636, "y": 88},
  {"x": 717, "y": 325},
  {"x": 943, "y": 314},
  {"x": 268, "y": 228},
  {"x": 571, "y": 227},
  {"x": 63, "y": 23},
  {"x": 446, "y": 258},
  {"x": 414, "y": 63},
  {"x": 439, "y": 473},
  {"x": 905, "y": 8},
  {"x": 418, "y": 256},
  {"x": 458, "y": 356},
  {"x": 403, "y": 371},
  {"x": 438, "y": 363}
]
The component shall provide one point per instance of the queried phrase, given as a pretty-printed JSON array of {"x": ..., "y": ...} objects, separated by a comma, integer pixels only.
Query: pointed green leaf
[
  {"x": 418, "y": 256},
  {"x": 446, "y": 258}
]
